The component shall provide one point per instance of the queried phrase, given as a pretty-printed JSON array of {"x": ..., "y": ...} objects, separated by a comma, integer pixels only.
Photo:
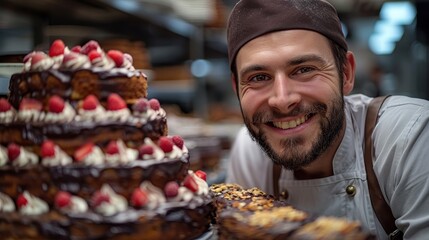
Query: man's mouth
[{"x": 293, "y": 123}]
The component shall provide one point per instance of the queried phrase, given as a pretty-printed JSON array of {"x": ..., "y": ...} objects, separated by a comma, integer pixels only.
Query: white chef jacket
[{"x": 401, "y": 164}]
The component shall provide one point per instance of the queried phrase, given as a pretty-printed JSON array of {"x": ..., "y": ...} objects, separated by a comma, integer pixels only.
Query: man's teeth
[{"x": 290, "y": 124}]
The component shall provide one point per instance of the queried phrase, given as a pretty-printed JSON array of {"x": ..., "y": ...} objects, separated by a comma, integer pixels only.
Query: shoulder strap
[
  {"x": 379, "y": 204},
  {"x": 277, "y": 170}
]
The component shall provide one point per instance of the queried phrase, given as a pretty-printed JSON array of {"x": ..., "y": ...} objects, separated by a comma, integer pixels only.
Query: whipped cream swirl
[
  {"x": 128, "y": 62},
  {"x": 116, "y": 203},
  {"x": 65, "y": 116},
  {"x": 6, "y": 203},
  {"x": 25, "y": 158},
  {"x": 96, "y": 115},
  {"x": 183, "y": 194},
  {"x": 158, "y": 154},
  {"x": 8, "y": 116},
  {"x": 203, "y": 187},
  {"x": 155, "y": 195},
  {"x": 3, "y": 156},
  {"x": 34, "y": 206},
  {"x": 121, "y": 115},
  {"x": 77, "y": 205},
  {"x": 175, "y": 153},
  {"x": 149, "y": 114},
  {"x": 76, "y": 61},
  {"x": 125, "y": 154},
  {"x": 42, "y": 65},
  {"x": 60, "y": 158},
  {"x": 103, "y": 62},
  {"x": 95, "y": 157},
  {"x": 31, "y": 115},
  {"x": 186, "y": 195}
]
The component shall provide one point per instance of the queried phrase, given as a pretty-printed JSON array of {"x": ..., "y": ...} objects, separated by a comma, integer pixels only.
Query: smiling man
[{"x": 293, "y": 73}]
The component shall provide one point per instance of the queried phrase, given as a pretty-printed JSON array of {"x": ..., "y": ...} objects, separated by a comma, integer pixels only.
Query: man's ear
[{"x": 349, "y": 73}]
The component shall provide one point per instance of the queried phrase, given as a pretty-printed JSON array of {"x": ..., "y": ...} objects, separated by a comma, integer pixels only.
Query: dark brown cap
[{"x": 250, "y": 19}]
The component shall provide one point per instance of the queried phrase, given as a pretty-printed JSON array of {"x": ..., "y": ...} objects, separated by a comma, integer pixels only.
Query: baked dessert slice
[{"x": 252, "y": 214}]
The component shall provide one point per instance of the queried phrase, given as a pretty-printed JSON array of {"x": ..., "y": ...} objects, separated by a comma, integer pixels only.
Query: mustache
[{"x": 268, "y": 116}]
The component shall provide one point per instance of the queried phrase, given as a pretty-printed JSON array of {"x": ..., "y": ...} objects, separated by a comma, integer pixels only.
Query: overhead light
[
  {"x": 390, "y": 31},
  {"x": 380, "y": 45},
  {"x": 402, "y": 13}
]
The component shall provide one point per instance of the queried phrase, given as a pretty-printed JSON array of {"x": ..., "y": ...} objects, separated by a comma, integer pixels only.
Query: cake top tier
[
  {"x": 77, "y": 72},
  {"x": 88, "y": 56}
]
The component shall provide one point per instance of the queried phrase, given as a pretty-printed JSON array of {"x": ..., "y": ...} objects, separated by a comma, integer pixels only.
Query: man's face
[{"x": 290, "y": 95}]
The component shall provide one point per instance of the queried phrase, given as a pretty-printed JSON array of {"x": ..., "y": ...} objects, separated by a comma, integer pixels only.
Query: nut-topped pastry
[{"x": 252, "y": 214}]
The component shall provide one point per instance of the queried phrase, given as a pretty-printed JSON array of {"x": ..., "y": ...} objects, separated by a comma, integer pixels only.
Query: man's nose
[{"x": 283, "y": 95}]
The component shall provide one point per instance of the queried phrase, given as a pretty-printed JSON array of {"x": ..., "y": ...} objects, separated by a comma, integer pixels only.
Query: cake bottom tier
[{"x": 175, "y": 222}]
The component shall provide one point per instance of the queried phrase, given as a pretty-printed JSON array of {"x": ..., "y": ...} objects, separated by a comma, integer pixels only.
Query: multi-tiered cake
[{"x": 85, "y": 155}]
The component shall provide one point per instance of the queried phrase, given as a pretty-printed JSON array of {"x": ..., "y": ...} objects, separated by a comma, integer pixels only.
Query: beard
[{"x": 292, "y": 156}]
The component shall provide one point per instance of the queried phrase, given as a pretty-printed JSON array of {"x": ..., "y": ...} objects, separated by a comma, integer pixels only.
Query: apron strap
[{"x": 379, "y": 204}]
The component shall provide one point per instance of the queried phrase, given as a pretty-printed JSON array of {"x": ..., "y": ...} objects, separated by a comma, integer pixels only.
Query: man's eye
[
  {"x": 259, "y": 78},
  {"x": 304, "y": 70}
]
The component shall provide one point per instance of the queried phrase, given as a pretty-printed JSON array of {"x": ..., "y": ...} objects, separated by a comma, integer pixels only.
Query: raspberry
[
  {"x": 139, "y": 198},
  {"x": 13, "y": 151},
  {"x": 28, "y": 57},
  {"x": 57, "y": 48},
  {"x": 37, "y": 57},
  {"x": 47, "y": 149},
  {"x": 93, "y": 55},
  {"x": 89, "y": 46},
  {"x": 62, "y": 199},
  {"x": 117, "y": 57},
  {"x": 4, "y": 105},
  {"x": 21, "y": 201},
  {"x": 69, "y": 56},
  {"x": 98, "y": 198},
  {"x": 56, "y": 104},
  {"x": 165, "y": 144},
  {"x": 83, "y": 151},
  {"x": 112, "y": 147},
  {"x": 171, "y": 189},
  {"x": 115, "y": 102},
  {"x": 190, "y": 183},
  {"x": 154, "y": 104},
  {"x": 76, "y": 49},
  {"x": 141, "y": 105},
  {"x": 90, "y": 103},
  {"x": 145, "y": 150},
  {"x": 178, "y": 141},
  {"x": 201, "y": 174}
]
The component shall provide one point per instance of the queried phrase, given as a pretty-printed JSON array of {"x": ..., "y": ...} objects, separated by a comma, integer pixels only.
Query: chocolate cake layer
[
  {"x": 76, "y": 85},
  {"x": 69, "y": 136},
  {"x": 174, "y": 221},
  {"x": 83, "y": 181}
]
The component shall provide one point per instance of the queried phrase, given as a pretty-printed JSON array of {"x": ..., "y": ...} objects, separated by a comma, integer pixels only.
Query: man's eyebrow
[
  {"x": 251, "y": 68},
  {"x": 306, "y": 58}
]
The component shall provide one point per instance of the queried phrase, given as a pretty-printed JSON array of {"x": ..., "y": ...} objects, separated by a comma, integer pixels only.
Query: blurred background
[
  {"x": 182, "y": 46},
  {"x": 183, "y": 43}
]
